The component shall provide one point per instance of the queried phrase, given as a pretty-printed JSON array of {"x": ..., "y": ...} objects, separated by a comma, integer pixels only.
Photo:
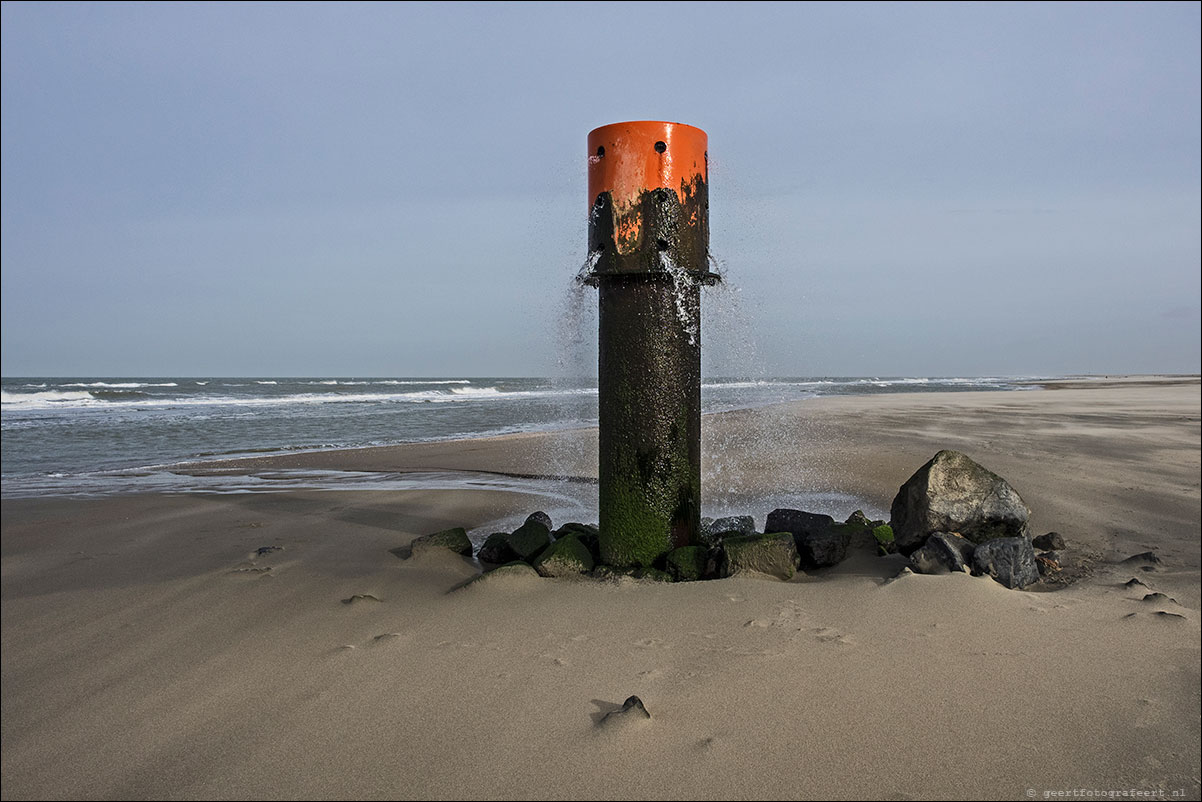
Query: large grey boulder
[
  {"x": 942, "y": 552},
  {"x": 951, "y": 493},
  {"x": 1009, "y": 560},
  {"x": 772, "y": 554}
]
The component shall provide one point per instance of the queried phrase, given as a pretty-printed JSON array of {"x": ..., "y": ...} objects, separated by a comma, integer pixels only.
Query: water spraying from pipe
[{"x": 648, "y": 258}]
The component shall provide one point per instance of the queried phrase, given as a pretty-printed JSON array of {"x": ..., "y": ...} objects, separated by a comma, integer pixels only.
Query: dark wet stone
[
  {"x": 1052, "y": 541},
  {"x": 941, "y": 553},
  {"x": 577, "y": 529},
  {"x": 525, "y": 544},
  {"x": 1009, "y": 560},
  {"x": 797, "y": 522},
  {"x": 1143, "y": 556},
  {"x": 542, "y": 518},
  {"x": 496, "y": 549},
  {"x": 951, "y": 493},
  {"x": 824, "y": 549}
]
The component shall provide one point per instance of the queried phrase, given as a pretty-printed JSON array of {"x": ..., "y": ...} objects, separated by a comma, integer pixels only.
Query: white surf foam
[{"x": 119, "y": 385}]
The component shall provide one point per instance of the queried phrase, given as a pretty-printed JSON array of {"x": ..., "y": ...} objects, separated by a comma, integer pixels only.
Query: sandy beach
[{"x": 150, "y": 650}]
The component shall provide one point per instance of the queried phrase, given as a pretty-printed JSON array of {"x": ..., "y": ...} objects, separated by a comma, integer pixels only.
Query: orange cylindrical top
[{"x": 627, "y": 159}]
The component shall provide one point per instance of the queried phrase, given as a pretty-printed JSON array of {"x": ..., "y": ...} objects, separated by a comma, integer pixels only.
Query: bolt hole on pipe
[{"x": 661, "y": 146}]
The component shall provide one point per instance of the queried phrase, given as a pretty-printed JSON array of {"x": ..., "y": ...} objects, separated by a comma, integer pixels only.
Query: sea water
[{"x": 96, "y": 435}]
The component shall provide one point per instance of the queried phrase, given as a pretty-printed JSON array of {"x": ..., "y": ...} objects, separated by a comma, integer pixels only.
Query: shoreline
[
  {"x": 151, "y": 639},
  {"x": 55, "y": 482}
]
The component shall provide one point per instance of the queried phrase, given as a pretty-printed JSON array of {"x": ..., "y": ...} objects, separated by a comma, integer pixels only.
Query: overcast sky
[{"x": 309, "y": 189}]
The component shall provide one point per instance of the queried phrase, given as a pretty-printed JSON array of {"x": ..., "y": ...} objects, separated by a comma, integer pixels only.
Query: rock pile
[{"x": 952, "y": 515}]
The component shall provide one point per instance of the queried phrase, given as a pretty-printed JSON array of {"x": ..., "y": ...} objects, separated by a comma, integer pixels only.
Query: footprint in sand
[
  {"x": 832, "y": 635},
  {"x": 1149, "y": 713},
  {"x": 252, "y": 570},
  {"x": 651, "y": 643},
  {"x": 788, "y": 616}
]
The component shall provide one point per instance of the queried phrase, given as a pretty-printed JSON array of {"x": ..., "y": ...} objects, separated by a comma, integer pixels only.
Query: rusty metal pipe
[{"x": 649, "y": 244}]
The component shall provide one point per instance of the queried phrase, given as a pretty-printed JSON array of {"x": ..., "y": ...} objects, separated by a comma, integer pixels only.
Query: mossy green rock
[
  {"x": 688, "y": 563},
  {"x": 455, "y": 540},
  {"x": 612, "y": 574},
  {"x": 773, "y": 554},
  {"x": 884, "y": 538},
  {"x": 565, "y": 557},
  {"x": 716, "y": 538},
  {"x": 502, "y": 574},
  {"x": 588, "y": 534}
]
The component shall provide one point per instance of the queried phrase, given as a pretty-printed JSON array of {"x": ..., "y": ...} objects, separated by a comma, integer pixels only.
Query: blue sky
[{"x": 399, "y": 189}]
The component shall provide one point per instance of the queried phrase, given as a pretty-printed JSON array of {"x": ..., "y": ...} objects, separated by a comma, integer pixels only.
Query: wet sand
[{"x": 150, "y": 650}]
